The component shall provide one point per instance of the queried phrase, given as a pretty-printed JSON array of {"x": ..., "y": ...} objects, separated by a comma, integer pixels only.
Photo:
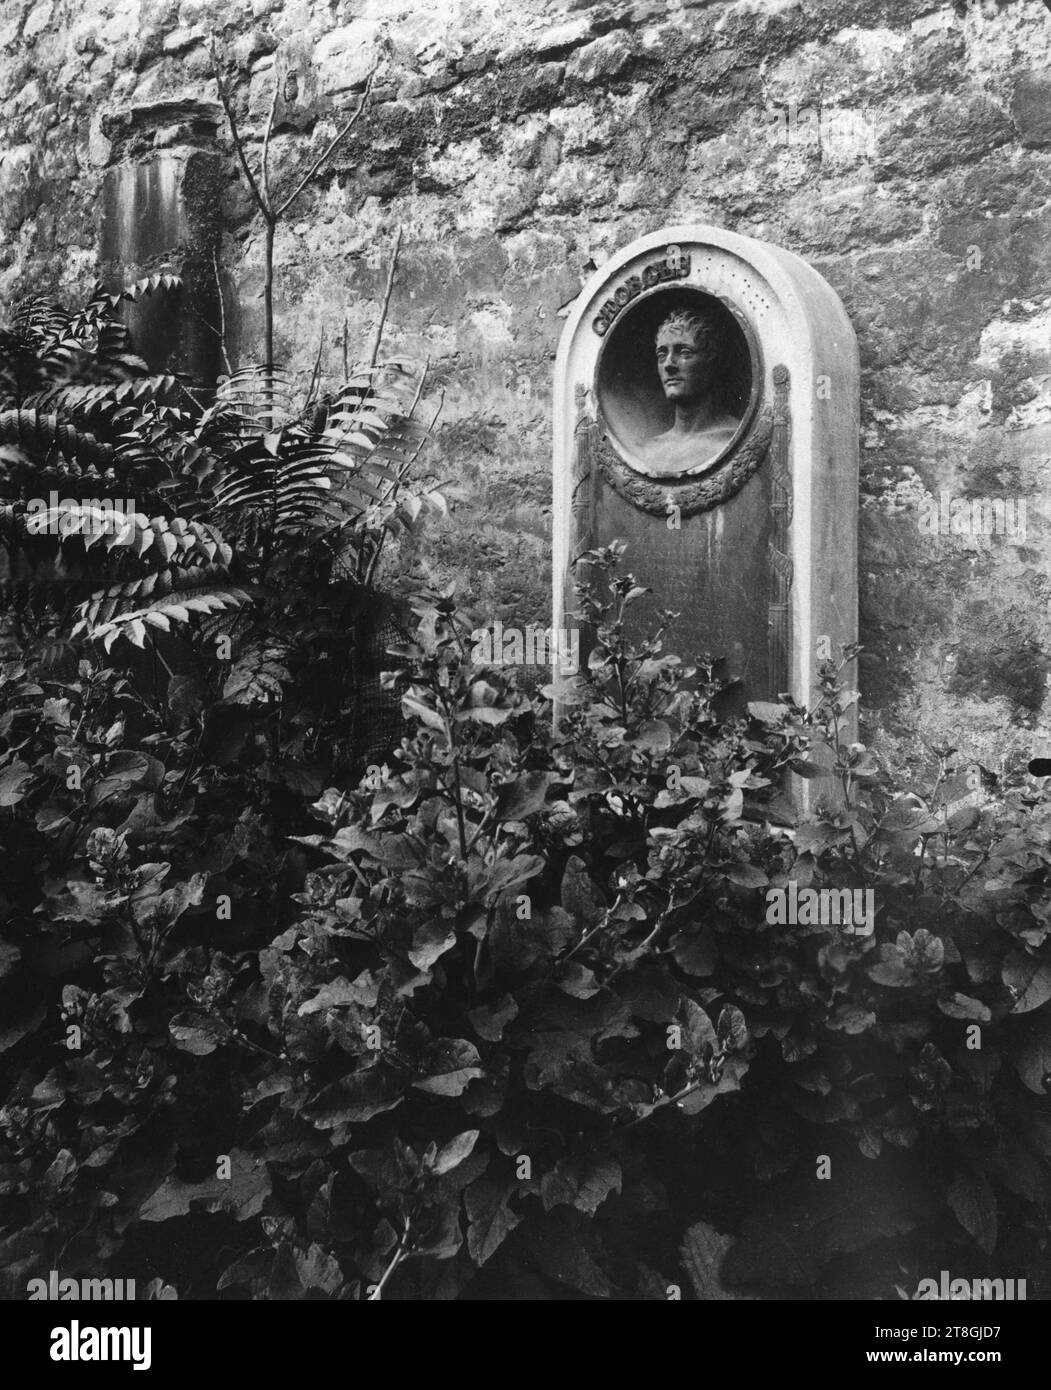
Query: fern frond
[
  {"x": 98, "y": 519},
  {"x": 99, "y": 622},
  {"x": 182, "y": 539},
  {"x": 258, "y": 675},
  {"x": 39, "y": 433},
  {"x": 37, "y": 318},
  {"x": 255, "y": 399},
  {"x": 103, "y": 604},
  {"x": 56, "y": 335},
  {"x": 149, "y": 284},
  {"x": 104, "y": 400},
  {"x": 103, "y": 302},
  {"x": 293, "y": 476}
]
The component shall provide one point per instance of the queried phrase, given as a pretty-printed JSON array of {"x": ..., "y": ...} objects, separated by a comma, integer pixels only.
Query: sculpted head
[{"x": 687, "y": 345}]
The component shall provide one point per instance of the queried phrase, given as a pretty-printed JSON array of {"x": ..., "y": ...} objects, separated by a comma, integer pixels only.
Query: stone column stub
[{"x": 161, "y": 212}]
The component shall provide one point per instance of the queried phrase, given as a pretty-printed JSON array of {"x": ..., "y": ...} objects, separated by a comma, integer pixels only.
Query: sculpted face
[{"x": 684, "y": 359}]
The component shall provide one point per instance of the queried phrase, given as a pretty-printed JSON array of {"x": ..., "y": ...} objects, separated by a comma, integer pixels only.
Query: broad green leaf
[
  {"x": 418, "y": 707},
  {"x": 695, "y": 951},
  {"x": 698, "y": 1026},
  {"x": 13, "y": 779},
  {"x": 745, "y": 875},
  {"x": 654, "y": 736},
  {"x": 1033, "y": 1059},
  {"x": 559, "y": 1245},
  {"x": 851, "y": 1018},
  {"x": 159, "y": 911},
  {"x": 342, "y": 993},
  {"x": 797, "y": 1226},
  {"x": 492, "y": 880},
  {"x": 699, "y": 1099},
  {"x": 703, "y": 1250},
  {"x": 317, "y": 1269},
  {"x": 959, "y": 1005},
  {"x": 430, "y": 942},
  {"x": 974, "y": 1205},
  {"x": 580, "y": 896},
  {"x": 197, "y": 1033},
  {"x": 1029, "y": 980},
  {"x": 490, "y": 1219},
  {"x": 241, "y": 1195},
  {"x": 452, "y": 1154},
  {"x": 526, "y": 795},
  {"x": 356, "y": 1098},
  {"x": 449, "y": 1065},
  {"x": 767, "y": 711},
  {"x": 802, "y": 768},
  {"x": 490, "y": 1020},
  {"x": 732, "y": 1029},
  {"x": 581, "y": 1182}
]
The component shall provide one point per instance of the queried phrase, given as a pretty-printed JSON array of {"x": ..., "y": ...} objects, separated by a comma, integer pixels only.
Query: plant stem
[
  {"x": 668, "y": 1100},
  {"x": 458, "y": 802},
  {"x": 378, "y": 334},
  {"x": 265, "y": 161},
  {"x": 280, "y": 212},
  {"x": 589, "y": 935},
  {"x": 401, "y": 1250},
  {"x": 222, "y": 315},
  {"x": 268, "y": 308},
  {"x": 235, "y": 133}
]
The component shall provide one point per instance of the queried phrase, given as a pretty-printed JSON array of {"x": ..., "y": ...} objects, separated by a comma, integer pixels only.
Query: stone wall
[{"x": 903, "y": 147}]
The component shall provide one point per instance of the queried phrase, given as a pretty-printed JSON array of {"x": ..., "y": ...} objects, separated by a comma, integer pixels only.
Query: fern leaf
[
  {"x": 176, "y": 607},
  {"x": 149, "y": 284},
  {"x": 40, "y": 433},
  {"x": 258, "y": 398},
  {"x": 257, "y": 675}
]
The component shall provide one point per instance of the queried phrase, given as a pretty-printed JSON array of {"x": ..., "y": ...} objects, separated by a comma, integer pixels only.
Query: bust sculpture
[{"x": 687, "y": 346}]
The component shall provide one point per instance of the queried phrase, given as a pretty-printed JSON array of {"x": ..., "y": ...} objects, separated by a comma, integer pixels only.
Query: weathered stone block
[
  {"x": 20, "y": 186},
  {"x": 1031, "y": 108},
  {"x": 38, "y": 19},
  {"x": 554, "y": 42},
  {"x": 346, "y": 56},
  {"x": 937, "y": 60},
  {"x": 939, "y": 134},
  {"x": 540, "y": 88},
  {"x": 602, "y": 60},
  {"x": 181, "y": 39}
]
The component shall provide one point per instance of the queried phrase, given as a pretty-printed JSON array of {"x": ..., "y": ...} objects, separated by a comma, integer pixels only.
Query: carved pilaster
[
  {"x": 581, "y": 504},
  {"x": 779, "y": 549}
]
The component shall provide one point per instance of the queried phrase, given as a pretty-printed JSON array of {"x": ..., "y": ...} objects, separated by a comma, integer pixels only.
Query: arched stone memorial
[{"x": 706, "y": 412}]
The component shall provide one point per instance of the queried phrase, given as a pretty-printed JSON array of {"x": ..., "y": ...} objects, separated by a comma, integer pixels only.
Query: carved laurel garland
[{"x": 690, "y": 495}]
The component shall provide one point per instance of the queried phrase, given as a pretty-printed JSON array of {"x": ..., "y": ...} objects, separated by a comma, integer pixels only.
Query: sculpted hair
[{"x": 702, "y": 327}]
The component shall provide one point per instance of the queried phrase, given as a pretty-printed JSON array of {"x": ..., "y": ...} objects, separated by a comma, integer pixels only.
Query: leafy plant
[
  {"x": 517, "y": 1018},
  {"x": 272, "y": 511}
]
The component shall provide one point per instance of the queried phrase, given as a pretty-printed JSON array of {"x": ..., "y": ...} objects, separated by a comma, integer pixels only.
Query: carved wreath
[{"x": 690, "y": 495}]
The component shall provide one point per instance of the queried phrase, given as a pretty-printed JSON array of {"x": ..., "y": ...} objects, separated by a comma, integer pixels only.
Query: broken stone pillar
[{"x": 161, "y": 213}]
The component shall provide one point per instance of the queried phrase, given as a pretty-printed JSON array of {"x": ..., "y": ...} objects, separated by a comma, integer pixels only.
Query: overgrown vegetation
[{"x": 497, "y": 1008}]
